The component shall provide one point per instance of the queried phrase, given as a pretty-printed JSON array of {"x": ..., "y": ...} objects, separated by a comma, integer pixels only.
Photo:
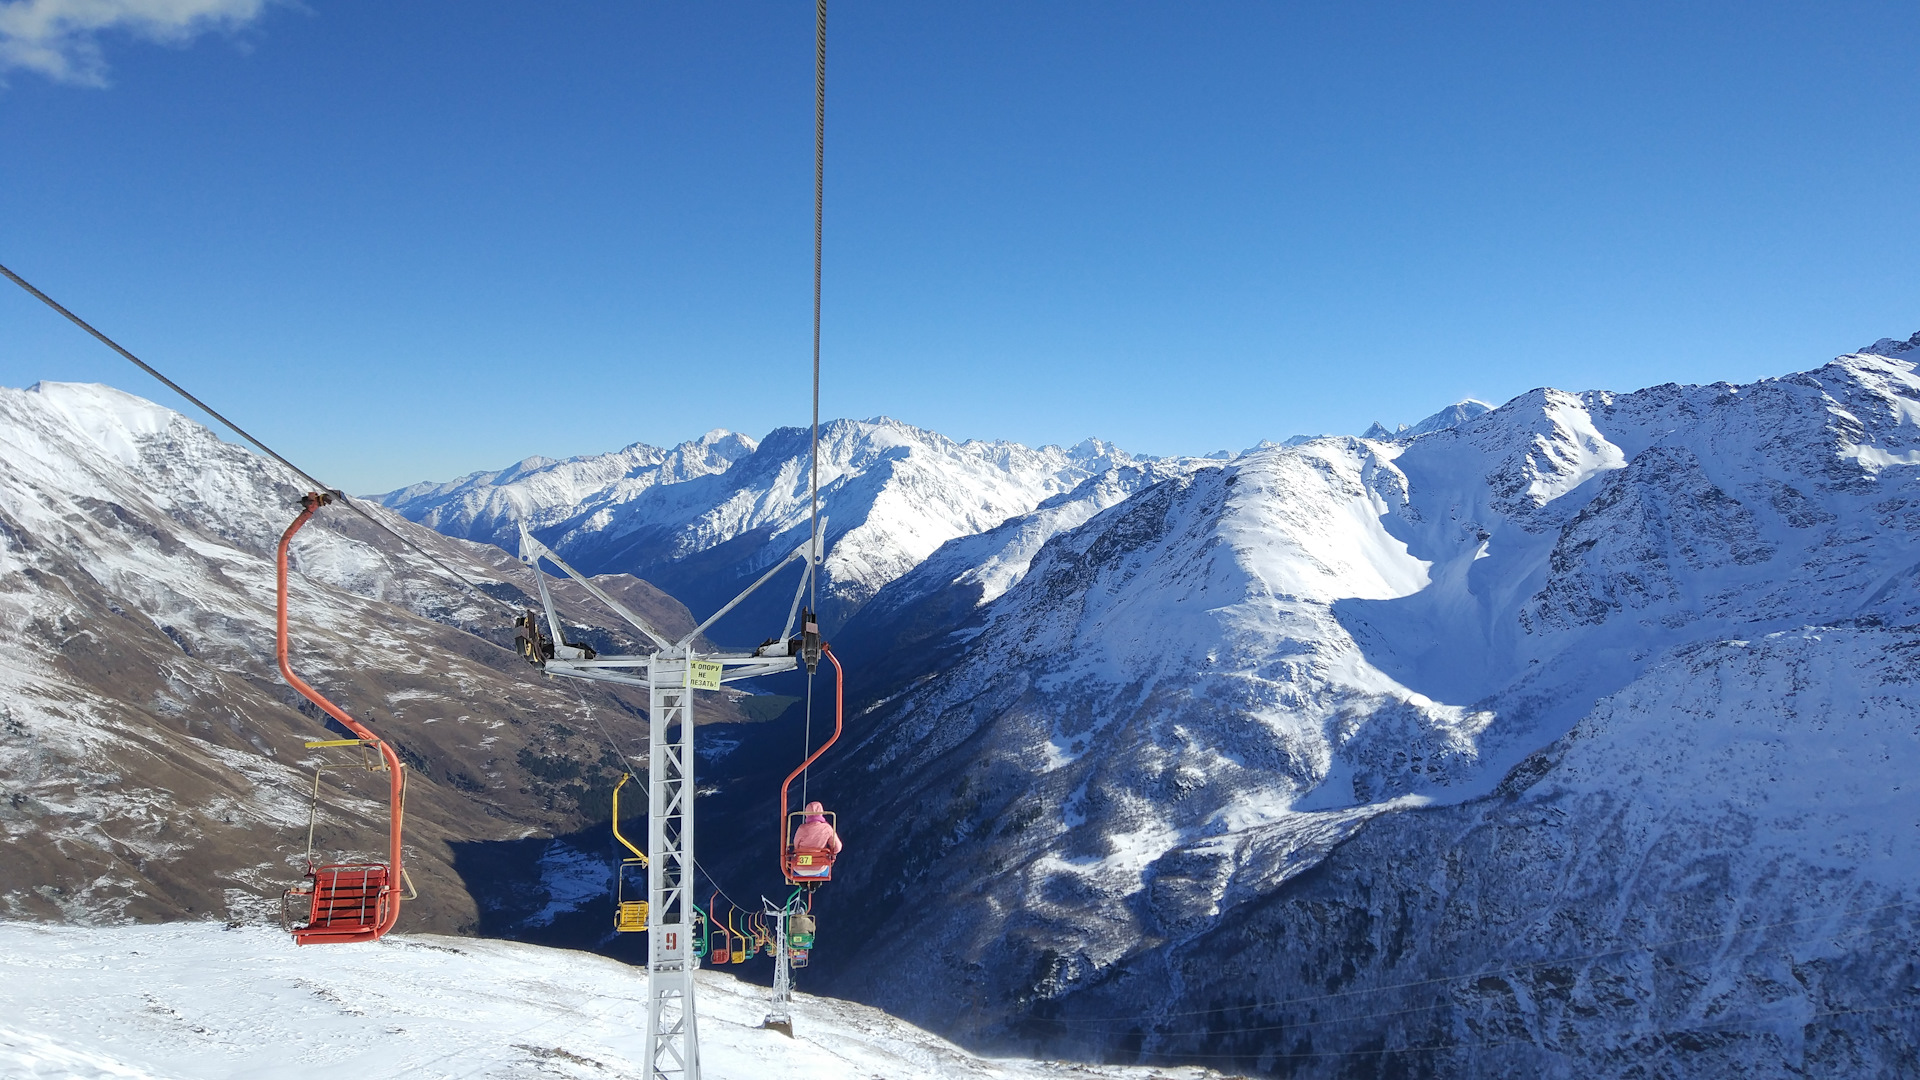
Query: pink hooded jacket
[{"x": 814, "y": 834}]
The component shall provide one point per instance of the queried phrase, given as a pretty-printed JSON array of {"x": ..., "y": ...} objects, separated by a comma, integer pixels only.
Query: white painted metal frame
[
  {"x": 780, "y": 1015},
  {"x": 673, "y": 1030},
  {"x": 673, "y": 1034}
]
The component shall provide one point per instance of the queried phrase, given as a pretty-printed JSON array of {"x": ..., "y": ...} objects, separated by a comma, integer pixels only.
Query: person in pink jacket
[{"x": 815, "y": 834}]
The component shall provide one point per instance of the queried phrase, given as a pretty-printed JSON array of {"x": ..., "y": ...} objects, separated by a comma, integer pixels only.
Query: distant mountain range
[
  {"x": 1570, "y": 737},
  {"x": 705, "y": 517}
]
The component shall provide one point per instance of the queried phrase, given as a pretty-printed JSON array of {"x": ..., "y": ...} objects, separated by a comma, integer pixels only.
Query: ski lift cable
[
  {"x": 819, "y": 208},
  {"x": 340, "y": 496},
  {"x": 587, "y": 707},
  {"x": 1513, "y": 970},
  {"x": 806, "y": 745},
  {"x": 813, "y": 465},
  {"x": 715, "y": 882}
]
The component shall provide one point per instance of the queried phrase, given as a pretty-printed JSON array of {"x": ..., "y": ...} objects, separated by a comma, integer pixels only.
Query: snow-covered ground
[{"x": 202, "y": 1001}]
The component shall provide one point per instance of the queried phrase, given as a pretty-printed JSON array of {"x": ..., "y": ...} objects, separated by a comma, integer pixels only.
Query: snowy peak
[
  {"x": 892, "y": 494},
  {"x": 1894, "y": 347},
  {"x": 1452, "y": 416},
  {"x": 113, "y": 420},
  {"x": 488, "y": 506}
]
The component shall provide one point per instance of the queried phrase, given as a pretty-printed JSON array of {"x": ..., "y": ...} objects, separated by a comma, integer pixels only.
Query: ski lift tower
[
  {"x": 780, "y": 1016},
  {"x": 671, "y": 673}
]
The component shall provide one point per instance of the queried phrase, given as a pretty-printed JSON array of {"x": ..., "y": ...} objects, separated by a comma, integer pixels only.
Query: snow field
[{"x": 198, "y": 1000}]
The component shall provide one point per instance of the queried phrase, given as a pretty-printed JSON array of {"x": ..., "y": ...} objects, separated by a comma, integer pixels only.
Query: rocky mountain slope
[
  {"x": 1712, "y": 874},
  {"x": 1193, "y": 715},
  {"x": 151, "y": 759}
]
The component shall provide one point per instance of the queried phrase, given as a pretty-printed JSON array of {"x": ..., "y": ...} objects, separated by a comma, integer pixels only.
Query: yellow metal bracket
[{"x": 641, "y": 855}]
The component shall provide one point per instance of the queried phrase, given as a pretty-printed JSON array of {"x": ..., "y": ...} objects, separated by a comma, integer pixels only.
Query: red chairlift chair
[
  {"x": 811, "y": 866},
  {"x": 347, "y": 901}
]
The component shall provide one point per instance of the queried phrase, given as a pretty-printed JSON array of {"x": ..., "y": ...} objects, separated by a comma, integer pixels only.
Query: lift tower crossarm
[
  {"x": 532, "y": 551},
  {"x": 809, "y": 551},
  {"x": 669, "y": 676}
]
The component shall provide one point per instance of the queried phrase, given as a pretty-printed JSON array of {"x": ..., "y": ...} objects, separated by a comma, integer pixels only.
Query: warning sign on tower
[{"x": 706, "y": 675}]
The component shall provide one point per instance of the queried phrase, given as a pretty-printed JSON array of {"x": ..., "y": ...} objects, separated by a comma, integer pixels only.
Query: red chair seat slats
[
  {"x": 349, "y": 902},
  {"x": 809, "y": 865}
]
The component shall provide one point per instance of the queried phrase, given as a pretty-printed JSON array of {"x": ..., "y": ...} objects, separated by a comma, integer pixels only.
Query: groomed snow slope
[{"x": 196, "y": 1000}]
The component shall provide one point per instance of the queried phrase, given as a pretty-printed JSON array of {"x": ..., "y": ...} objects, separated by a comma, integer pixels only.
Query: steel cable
[
  {"x": 317, "y": 486},
  {"x": 814, "y": 560},
  {"x": 819, "y": 221}
]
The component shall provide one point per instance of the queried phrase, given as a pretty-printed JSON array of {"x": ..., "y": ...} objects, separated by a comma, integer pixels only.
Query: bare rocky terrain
[{"x": 151, "y": 758}]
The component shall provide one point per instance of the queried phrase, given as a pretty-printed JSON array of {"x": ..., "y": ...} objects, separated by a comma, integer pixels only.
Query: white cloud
[{"x": 61, "y": 38}]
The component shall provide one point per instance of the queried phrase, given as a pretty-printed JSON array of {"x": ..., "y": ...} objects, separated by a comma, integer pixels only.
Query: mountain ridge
[
  {"x": 1201, "y": 693},
  {"x": 1363, "y": 712}
]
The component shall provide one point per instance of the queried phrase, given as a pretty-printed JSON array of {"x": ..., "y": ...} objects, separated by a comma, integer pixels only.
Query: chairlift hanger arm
[
  {"x": 624, "y": 842},
  {"x": 532, "y": 551},
  {"x": 806, "y": 579},
  {"x": 349, "y": 902}
]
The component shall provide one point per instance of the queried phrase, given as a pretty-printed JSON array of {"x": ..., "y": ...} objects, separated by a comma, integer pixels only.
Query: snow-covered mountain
[
  {"x": 1570, "y": 738},
  {"x": 196, "y": 1001},
  {"x": 1713, "y": 874},
  {"x": 1895, "y": 348},
  {"x": 151, "y": 758},
  {"x": 1199, "y": 694},
  {"x": 1450, "y": 417},
  {"x": 488, "y": 506},
  {"x": 708, "y": 516}
]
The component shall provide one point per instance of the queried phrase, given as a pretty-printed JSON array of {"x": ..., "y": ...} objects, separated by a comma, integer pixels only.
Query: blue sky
[{"x": 407, "y": 241}]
